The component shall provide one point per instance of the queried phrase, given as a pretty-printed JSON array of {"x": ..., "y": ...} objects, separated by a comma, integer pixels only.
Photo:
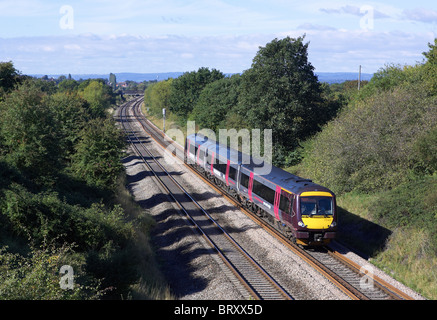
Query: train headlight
[
  {"x": 333, "y": 224},
  {"x": 301, "y": 224}
]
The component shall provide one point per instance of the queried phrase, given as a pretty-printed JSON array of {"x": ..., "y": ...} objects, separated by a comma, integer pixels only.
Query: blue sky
[{"x": 96, "y": 36}]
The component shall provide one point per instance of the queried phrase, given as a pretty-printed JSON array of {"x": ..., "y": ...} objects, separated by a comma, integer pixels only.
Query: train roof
[
  {"x": 223, "y": 151},
  {"x": 285, "y": 179},
  {"x": 275, "y": 175}
]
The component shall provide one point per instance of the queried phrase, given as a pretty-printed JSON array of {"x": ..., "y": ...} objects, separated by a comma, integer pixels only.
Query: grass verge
[{"x": 151, "y": 284}]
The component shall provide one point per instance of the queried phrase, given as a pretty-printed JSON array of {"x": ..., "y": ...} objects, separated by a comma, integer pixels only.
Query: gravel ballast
[{"x": 192, "y": 268}]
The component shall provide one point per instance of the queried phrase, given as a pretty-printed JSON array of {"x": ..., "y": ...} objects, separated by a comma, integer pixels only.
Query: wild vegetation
[
  {"x": 279, "y": 92},
  {"x": 379, "y": 155},
  {"x": 62, "y": 196},
  {"x": 375, "y": 148}
]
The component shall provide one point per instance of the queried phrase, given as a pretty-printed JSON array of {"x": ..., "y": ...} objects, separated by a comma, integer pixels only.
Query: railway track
[
  {"x": 355, "y": 281},
  {"x": 256, "y": 280}
]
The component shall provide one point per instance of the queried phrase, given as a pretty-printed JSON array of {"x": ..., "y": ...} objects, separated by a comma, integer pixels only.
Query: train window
[
  {"x": 209, "y": 157},
  {"x": 201, "y": 154},
  {"x": 220, "y": 166},
  {"x": 316, "y": 206},
  {"x": 285, "y": 201},
  {"x": 244, "y": 180},
  {"x": 232, "y": 173},
  {"x": 263, "y": 191},
  {"x": 192, "y": 149}
]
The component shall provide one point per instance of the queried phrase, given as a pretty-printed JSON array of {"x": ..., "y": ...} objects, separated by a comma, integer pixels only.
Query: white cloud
[
  {"x": 329, "y": 51},
  {"x": 174, "y": 35},
  {"x": 344, "y": 50},
  {"x": 310, "y": 26},
  {"x": 355, "y": 10},
  {"x": 26, "y": 8},
  {"x": 421, "y": 15},
  {"x": 103, "y": 54}
]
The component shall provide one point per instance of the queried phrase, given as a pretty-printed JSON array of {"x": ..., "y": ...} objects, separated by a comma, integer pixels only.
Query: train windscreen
[{"x": 316, "y": 205}]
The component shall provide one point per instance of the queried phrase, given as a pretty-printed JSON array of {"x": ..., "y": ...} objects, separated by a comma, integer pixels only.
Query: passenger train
[{"x": 300, "y": 209}]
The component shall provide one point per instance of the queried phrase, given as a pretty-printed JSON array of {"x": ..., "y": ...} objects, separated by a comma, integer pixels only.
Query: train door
[
  {"x": 249, "y": 191},
  {"x": 228, "y": 163},
  {"x": 286, "y": 205},
  {"x": 210, "y": 161},
  {"x": 277, "y": 201}
]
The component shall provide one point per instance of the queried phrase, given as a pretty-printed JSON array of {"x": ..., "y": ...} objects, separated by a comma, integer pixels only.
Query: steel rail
[
  {"x": 343, "y": 285},
  {"x": 254, "y": 288},
  {"x": 383, "y": 285},
  {"x": 339, "y": 283}
]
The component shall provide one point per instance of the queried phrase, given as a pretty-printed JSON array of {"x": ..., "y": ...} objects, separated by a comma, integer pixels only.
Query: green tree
[
  {"x": 72, "y": 114},
  {"x": 9, "y": 77},
  {"x": 113, "y": 81},
  {"x": 214, "y": 108},
  {"x": 98, "y": 153},
  {"x": 373, "y": 144},
  {"x": 281, "y": 92},
  {"x": 187, "y": 88},
  {"x": 68, "y": 85},
  {"x": 29, "y": 131},
  {"x": 156, "y": 97},
  {"x": 429, "y": 69},
  {"x": 36, "y": 276},
  {"x": 431, "y": 55},
  {"x": 98, "y": 97}
]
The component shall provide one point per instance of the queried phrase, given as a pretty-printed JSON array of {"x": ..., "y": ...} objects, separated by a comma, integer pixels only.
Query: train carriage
[{"x": 301, "y": 209}]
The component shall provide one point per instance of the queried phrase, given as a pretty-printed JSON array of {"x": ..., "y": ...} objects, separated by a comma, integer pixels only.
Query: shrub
[
  {"x": 369, "y": 146},
  {"x": 98, "y": 154},
  {"x": 37, "y": 276},
  {"x": 44, "y": 215},
  {"x": 425, "y": 151}
]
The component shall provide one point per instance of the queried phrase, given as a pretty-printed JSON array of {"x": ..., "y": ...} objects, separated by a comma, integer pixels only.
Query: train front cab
[{"x": 317, "y": 218}]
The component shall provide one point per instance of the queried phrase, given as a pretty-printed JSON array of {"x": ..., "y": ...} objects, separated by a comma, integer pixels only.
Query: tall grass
[
  {"x": 151, "y": 283},
  {"x": 410, "y": 257}
]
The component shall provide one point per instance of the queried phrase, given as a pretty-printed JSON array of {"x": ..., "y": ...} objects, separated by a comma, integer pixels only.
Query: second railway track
[
  {"x": 256, "y": 280},
  {"x": 343, "y": 273}
]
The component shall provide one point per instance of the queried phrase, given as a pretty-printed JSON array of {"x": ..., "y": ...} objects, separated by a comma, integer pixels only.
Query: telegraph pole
[
  {"x": 359, "y": 78},
  {"x": 163, "y": 117}
]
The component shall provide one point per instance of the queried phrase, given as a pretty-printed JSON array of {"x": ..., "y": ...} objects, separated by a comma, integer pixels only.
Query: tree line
[
  {"x": 60, "y": 165},
  {"x": 375, "y": 148},
  {"x": 280, "y": 92},
  {"x": 379, "y": 155}
]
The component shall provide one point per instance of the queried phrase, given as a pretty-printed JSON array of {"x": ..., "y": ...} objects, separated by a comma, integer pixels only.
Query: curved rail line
[
  {"x": 256, "y": 280},
  {"x": 345, "y": 274}
]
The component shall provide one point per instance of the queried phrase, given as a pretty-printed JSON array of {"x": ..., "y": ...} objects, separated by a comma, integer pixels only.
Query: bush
[
  {"x": 413, "y": 204},
  {"x": 156, "y": 97},
  {"x": 44, "y": 215},
  {"x": 37, "y": 276},
  {"x": 29, "y": 132},
  {"x": 369, "y": 146},
  {"x": 425, "y": 150},
  {"x": 98, "y": 154}
]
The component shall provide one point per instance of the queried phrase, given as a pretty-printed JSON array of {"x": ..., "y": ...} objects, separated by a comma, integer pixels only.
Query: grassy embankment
[
  {"x": 379, "y": 155},
  {"x": 387, "y": 210},
  {"x": 63, "y": 202}
]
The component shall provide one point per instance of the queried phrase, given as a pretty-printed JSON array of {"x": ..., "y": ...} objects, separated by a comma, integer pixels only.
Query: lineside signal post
[{"x": 163, "y": 117}]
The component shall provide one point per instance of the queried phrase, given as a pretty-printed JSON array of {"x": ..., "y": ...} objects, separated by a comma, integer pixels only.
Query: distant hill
[
  {"x": 140, "y": 77},
  {"x": 329, "y": 77},
  {"x": 339, "y": 77},
  {"x": 121, "y": 77}
]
